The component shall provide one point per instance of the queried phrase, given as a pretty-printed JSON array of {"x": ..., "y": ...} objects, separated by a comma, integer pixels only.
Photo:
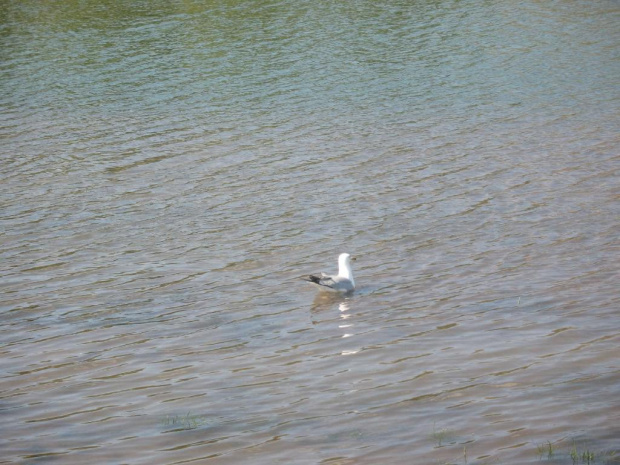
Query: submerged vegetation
[
  {"x": 184, "y": 422},
  {"x": 559, "y": 452},
  {"x": 578, "y": 454},
  {"x": 547, "y": 449},
  {"x": 441, "y": 435}
]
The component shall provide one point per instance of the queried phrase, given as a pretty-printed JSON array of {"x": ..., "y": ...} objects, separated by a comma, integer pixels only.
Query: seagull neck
[{"x": 344, "y": 271}]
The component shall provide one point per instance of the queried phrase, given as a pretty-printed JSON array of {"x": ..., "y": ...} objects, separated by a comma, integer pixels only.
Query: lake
[{"x": 171, "y": 169}]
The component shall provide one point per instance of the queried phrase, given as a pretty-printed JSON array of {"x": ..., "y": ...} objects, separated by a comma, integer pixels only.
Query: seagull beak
[{"x": 353, "y": 259}]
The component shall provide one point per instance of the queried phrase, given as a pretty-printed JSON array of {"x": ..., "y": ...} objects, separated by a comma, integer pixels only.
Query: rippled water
[{"x": 170, "y": 169}]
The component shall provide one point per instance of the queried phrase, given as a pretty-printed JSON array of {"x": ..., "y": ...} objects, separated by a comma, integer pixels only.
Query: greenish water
[{"x": 170, "y": 169}]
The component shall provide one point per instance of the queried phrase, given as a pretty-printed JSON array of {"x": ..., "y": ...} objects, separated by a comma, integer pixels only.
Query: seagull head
[{"x": 344, "y": 261}]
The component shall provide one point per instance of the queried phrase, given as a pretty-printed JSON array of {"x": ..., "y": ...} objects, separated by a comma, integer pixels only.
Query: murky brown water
[{"x": 168, "y": 171}]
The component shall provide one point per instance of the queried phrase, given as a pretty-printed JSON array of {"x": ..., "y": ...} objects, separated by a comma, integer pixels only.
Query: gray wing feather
[{"x": 335, "y": 283}]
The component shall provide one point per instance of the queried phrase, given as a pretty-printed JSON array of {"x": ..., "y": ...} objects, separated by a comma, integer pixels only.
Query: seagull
[{"x": 342, "y": 282}]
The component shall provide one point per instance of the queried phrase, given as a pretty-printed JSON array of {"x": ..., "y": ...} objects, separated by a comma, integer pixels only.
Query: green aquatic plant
[
  {"x": 547, "y": 448},
  {"x": 586, "y": 456},
  {"x": 184, "y": 422},
  {"x": 578, "y": 454},
  {"x": 439, "y": 436}
]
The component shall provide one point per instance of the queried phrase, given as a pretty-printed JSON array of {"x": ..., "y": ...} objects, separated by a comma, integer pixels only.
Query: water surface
[{"x": 169, "y": 170}]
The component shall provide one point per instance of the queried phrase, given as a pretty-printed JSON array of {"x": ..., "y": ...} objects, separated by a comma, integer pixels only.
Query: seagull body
[{"x": 342, "y": 282}]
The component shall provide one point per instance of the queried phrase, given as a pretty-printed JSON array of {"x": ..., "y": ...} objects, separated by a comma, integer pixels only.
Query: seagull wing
[{"x": 333, "y": 283}]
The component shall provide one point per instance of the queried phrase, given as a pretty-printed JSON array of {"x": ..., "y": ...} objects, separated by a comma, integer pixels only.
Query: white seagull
[{"x": 342, "y": 282}]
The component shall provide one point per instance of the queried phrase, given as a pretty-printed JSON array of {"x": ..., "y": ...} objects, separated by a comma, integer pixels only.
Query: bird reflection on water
[
  {"x": 328, "y": 302},
  {"x": 346, "y": 325}
]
